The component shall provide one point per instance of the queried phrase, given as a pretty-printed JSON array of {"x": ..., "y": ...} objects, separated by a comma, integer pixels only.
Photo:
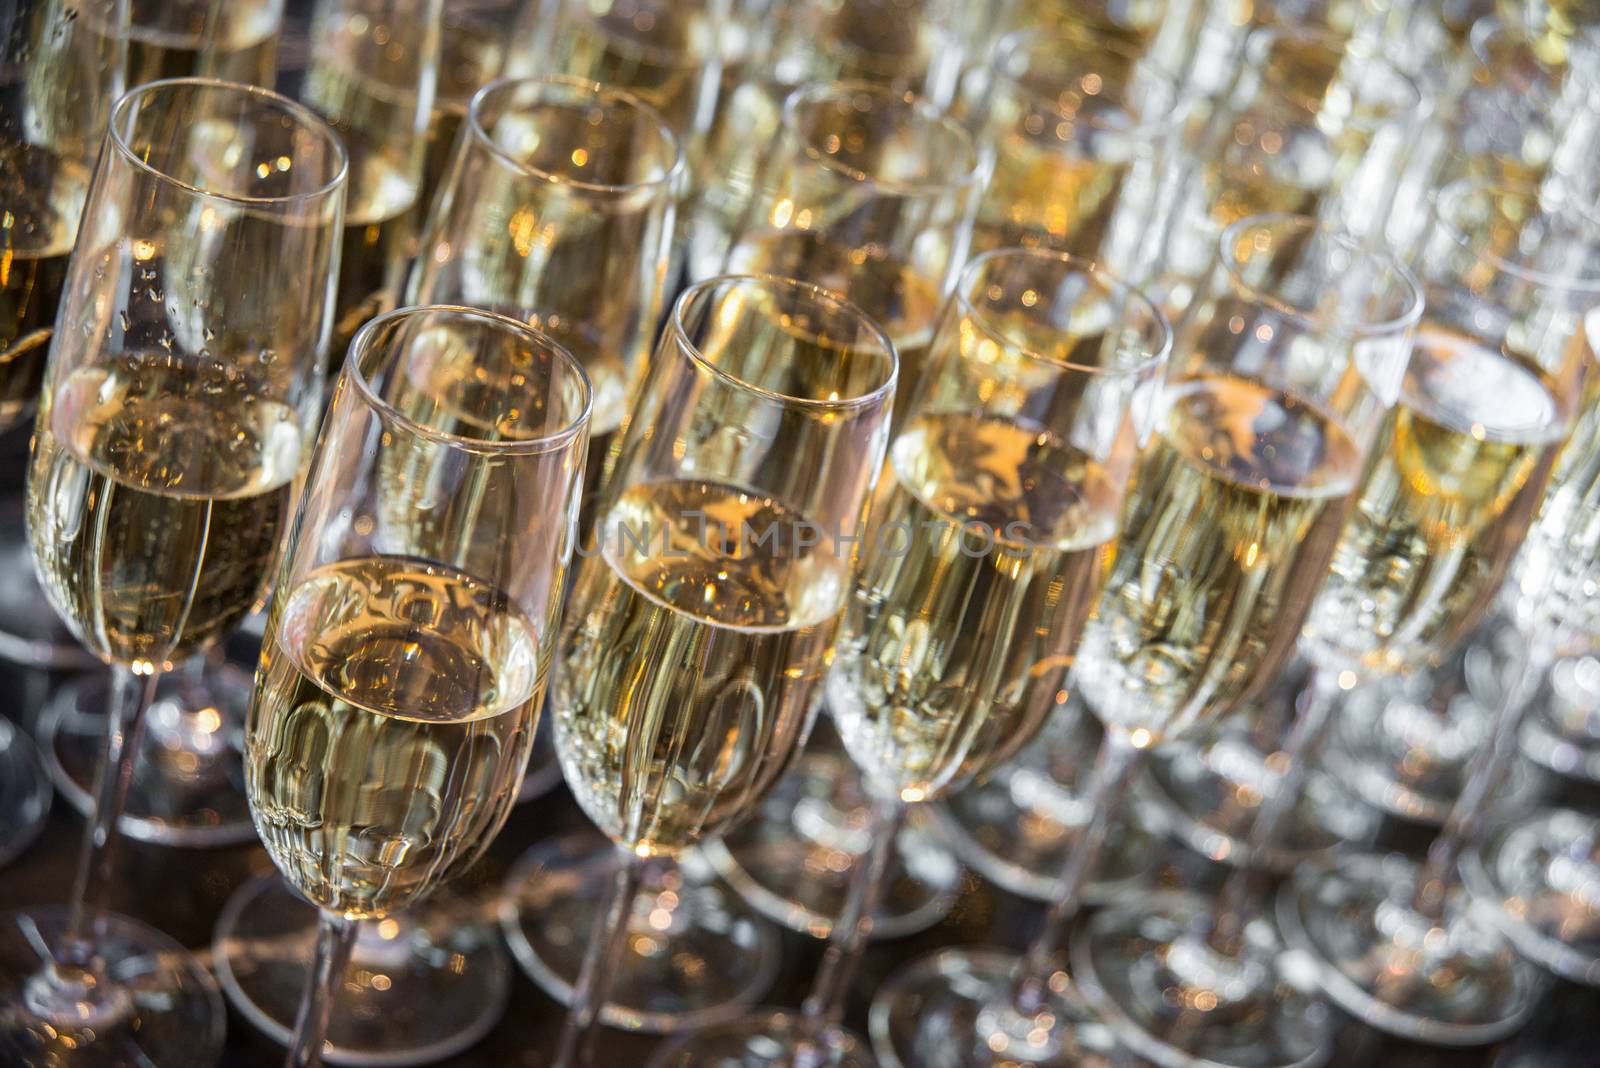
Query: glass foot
[
  {"x": 1402, "y": 745},
  {"x": 696, "y": 954},
  {"x": 188, "y": 780},
  {"x": 1208, "y": 796},
  {"x": 158, "y": 1007},
  {"x": 1563, "y": 732},
  {"x": 420, "y": 987},
  {"x": 793, "y": 860},
  {"x": 24, "y": 792},
  {"x": 1018, "y": 828},
  {"x": 1147, "y": 969},
  {"x": 544, "y": 770},
  {"x": 952, "y": 1010},
  {"x": 774, "y": 1040},
  {"x": 1456, "y": 983},
  {"x": 1541, "y": 877}
]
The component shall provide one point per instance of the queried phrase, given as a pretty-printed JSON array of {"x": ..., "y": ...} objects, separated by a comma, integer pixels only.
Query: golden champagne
[
  {"x": 693, "y": 655},
  {"x": 1446, "y": 498},
  {"x": 236, "y": 41},
  {"x": 988, "y": 554},
  {"x": 157, "y": 499},
  {"x": 903, "y": 302},
  {"x": 394, "y": 712},
  {"x": 1043, "y": 197},
  {"x": 43, "y": 196},
  {"x": 1234, "y": 510},
  {"x": 1238, "y": 188}
]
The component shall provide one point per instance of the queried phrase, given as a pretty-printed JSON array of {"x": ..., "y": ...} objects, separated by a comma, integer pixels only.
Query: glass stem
[
  {"x": 852, "y": 930},
  {"x": 1484, "y": 774},
  {"x": 1242, "y": 893},
  {"x": 600, "y": 962},
  {"x": 130, "y": 698},
  {"x": 336, "y": 936},
  {"x": 1114, "y": 769}
]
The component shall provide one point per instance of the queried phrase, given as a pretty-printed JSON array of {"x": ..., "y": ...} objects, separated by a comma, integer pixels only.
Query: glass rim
[
  {"x": 542, "y": 443},
  {"x": 305, "y": 116},
  {"x": 607, "y": 95},
  {"x": 1343, "y": 238},
  {"x": 1169, "y": 117},
  {"x": 1562, "y": 207},
  {"x": 678, "y": 331},
  {"x": 1111, "y": 282},
  {"x": 918, "y": 105},
  {"x": 1337, "y": 43}
]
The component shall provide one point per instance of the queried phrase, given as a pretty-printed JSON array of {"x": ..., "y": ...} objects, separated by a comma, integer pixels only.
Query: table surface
[{"x": 182, "y": 892}]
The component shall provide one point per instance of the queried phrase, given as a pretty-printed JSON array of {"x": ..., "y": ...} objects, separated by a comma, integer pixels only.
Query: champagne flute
[
  {"x": 186, "y": 789},
  {"x": 1082, "y": 130},
  {"x": 1511, "y": 275},
  {"x": 1283, "y": 374},
  {"x": 697, "y": 639},
  {"x": 372, "y": 74},
  {"x": 1312, "y": 125},
  {"x": 559, "y": 210},
  {"x": 57, "y": 83},
  {"x": 870, "y": 193},
  {"x": 182, "y": 384},
  {"x": 992, "y": 535},
  {"x": 411, "y": 629}
]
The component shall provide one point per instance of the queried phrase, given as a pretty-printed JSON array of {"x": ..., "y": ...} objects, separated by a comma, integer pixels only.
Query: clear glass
[
  {"x": 57, "y": 83},
  {"x": 869, "y": 192},
  {"x": 410, "y": 633},
  {"x": 187, "y": 789},
  {"x": 988, "y": 546},
  {"x": 372, "y": 73},
  {"x": 1281, "y": 378},
  {"x": 1309, "y": 126},
  {"x": 1511, "y": 276},
  {"x": 696, "y": 639},
  {"x": 559, "y": 210},
  {"x": 177, "y": 408},
  {"x": 1082, "y": 135}
]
